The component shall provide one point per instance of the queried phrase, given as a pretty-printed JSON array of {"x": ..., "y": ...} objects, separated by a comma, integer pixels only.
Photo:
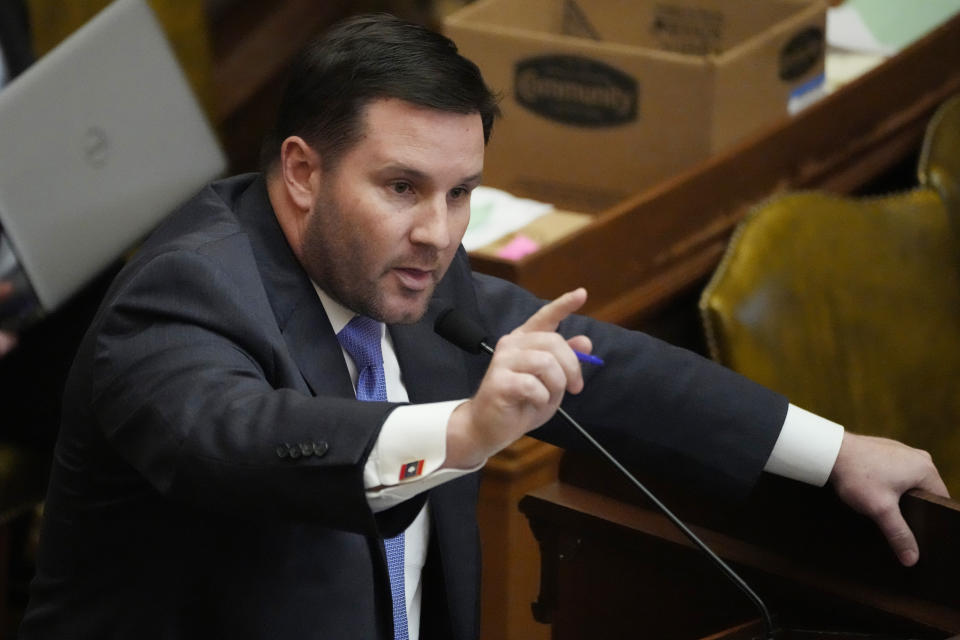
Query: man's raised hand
[{"x": 531, "y": 368}]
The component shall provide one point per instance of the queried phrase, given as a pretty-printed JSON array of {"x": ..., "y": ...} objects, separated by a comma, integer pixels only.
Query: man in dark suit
[{"x": 231, "y": 464}]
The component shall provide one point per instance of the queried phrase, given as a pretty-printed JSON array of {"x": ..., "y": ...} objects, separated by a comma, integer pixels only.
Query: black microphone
[{"x": 462, "y": 331}]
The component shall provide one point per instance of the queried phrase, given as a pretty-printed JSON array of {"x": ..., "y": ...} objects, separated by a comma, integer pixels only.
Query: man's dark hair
[{"x": 363, "y": 59}]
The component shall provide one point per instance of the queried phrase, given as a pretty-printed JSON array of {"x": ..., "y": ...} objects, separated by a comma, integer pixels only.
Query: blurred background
[{"x": 864, "y": 140}]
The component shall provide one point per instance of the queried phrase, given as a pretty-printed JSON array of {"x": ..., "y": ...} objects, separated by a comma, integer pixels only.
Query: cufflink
[{"x": 411, "y": 469}]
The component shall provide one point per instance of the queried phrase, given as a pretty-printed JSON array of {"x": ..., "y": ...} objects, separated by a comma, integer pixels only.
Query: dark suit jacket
[{"x": 175, "y": 508}]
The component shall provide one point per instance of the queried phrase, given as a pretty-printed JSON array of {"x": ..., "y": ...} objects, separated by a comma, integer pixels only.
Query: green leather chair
[{"x": 851, "y": 306}]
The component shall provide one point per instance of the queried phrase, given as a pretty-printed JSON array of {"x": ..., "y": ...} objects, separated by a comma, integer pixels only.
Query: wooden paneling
[{"x": 511, "y": 574}]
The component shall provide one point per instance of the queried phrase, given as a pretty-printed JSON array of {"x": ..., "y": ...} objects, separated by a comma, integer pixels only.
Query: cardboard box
[{"x": 603, "y": 98}]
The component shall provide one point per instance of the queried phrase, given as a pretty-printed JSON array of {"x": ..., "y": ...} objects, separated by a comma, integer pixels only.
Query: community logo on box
[
  {"x": 801, "y": 53},
  {"x": 576, "y": 91}
]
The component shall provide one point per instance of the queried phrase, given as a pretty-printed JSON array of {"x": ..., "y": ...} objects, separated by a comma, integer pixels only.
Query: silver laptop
[{"x": 99, "y": 140}]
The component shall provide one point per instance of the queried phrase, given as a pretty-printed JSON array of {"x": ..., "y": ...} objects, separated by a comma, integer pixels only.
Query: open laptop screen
[{"x": 100, "y": 139}]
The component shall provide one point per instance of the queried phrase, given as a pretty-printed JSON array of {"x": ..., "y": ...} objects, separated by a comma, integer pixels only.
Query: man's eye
[
  {"x": 401, "y": 187},
  {"x": 458, "y": 193}
]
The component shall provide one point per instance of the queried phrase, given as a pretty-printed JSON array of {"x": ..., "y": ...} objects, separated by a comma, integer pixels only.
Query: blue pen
[{"x": 586, "y": 357}]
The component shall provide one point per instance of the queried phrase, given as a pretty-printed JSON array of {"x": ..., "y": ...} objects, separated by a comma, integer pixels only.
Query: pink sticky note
[{"x": 520, "y": 246}]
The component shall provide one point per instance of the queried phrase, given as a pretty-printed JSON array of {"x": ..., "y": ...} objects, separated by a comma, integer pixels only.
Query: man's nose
[{"x": 432, "y": 224}]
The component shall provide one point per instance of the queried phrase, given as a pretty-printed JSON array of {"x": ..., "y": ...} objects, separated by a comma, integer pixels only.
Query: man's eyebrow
[
  {"x": 475, "y": 179},
  {"x": 405, "y": 170},
  {"x": 416, "y": 174}
]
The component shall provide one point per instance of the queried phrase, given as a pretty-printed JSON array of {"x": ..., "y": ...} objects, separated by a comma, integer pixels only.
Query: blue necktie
[{"x": 361, "y": 339}]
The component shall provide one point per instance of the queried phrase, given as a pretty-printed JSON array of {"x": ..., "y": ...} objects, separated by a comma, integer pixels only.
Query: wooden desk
[{"x": 612, "y": 566}]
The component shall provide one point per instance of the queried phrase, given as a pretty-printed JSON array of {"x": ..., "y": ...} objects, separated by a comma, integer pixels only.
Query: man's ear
[{"x": 300, "y": 170}]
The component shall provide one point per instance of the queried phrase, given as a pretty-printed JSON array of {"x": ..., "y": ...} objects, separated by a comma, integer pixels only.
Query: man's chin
[{"x": 407, "y": 308}]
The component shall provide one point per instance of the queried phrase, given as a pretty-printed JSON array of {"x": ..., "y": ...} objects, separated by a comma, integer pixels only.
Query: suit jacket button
[
  {"x": 282, "y": 451},
  {"x": 306, "y": 449},
  {"x": 320, "y": 448}
]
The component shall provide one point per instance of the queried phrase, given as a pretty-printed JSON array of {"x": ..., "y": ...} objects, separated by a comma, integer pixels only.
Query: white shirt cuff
[
  {"x": 807, "y": 447},
  {"x": 408, "y": 454}
]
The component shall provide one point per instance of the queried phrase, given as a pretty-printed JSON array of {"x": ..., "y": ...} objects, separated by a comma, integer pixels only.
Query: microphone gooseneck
[{"x": 463, "y": 332}]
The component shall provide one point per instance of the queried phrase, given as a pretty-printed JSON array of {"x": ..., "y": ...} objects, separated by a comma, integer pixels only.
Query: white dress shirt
[{"x": 806, "y": 450}]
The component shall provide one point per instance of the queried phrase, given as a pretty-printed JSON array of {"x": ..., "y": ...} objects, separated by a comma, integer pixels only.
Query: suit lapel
[
  {"x": 314, "y": 347},
  {"x": 433, "y": 369},
  {"x": 299, "y": 313}
]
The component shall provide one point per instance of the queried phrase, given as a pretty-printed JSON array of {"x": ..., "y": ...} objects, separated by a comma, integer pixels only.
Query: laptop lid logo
[{"x": 96, "y": 147}]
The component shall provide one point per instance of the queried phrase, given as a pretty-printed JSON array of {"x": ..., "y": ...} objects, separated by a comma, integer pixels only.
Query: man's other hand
[
  {"x": 530, "y": 370},
  {"x": 871, "y": 474},
  {"x": 7, "y": 340}
]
